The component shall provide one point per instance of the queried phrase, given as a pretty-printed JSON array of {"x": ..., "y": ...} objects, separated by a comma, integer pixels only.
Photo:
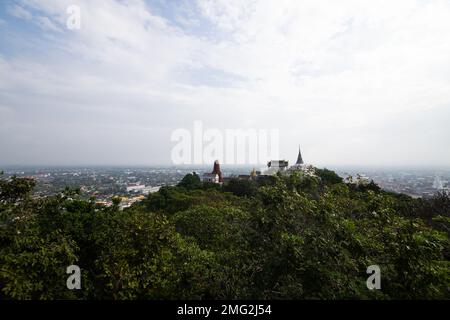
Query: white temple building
[{"x": 275, "y": 166}]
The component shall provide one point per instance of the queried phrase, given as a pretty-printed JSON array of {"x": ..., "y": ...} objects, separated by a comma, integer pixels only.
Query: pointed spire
[{"x": 299, "y": 158}]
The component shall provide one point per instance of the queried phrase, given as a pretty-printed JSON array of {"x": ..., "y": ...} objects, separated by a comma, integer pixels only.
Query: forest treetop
[{"x": 288, "y": 237}]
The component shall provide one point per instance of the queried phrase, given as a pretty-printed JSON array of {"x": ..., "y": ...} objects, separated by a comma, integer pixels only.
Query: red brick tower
[{"x": 216, "y": 170}]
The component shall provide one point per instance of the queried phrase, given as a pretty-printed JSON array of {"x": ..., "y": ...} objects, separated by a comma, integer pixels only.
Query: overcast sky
[{"x": 353, "y": 82}]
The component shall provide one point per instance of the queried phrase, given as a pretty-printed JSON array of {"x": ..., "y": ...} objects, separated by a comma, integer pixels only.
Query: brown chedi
[{"x": 216, "y": 170}]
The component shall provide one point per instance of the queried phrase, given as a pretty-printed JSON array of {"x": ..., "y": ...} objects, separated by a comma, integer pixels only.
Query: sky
[{"x": 354, "y": 82}]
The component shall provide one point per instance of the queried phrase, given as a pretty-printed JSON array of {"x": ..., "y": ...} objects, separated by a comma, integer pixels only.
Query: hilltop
[{"x": 292, "y": 236}]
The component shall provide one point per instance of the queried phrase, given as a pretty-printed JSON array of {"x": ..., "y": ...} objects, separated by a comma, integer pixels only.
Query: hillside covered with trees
[{"x": 289, "y": 237}]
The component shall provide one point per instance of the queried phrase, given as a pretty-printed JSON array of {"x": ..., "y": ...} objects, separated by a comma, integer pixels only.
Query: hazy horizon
[
  {"x": 355, "y": 83},
  {"x": 226, "y": 166}
]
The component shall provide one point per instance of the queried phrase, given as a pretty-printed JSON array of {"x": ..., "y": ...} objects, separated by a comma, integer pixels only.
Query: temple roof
[{"x": 299, "y": 157}]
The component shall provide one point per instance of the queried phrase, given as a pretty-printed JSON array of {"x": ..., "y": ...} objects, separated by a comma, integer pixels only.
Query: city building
[{"x": 136, "y": 188}]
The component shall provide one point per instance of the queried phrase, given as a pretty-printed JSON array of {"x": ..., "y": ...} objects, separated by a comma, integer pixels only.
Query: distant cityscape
[
  {"x": 133, "y": 184},
  {"x": 104, "y": 183},
  {"x": 413, "y": 182}
]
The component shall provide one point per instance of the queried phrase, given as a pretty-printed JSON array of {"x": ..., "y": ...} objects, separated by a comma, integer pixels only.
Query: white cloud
[
  {"x": 19, "y": 12},
  {"x": 343, "y": 78},
  {"x": 46, "y": 24}
]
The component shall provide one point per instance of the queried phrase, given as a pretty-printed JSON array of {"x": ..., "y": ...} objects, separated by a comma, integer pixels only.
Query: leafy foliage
[
  {"x": 190, "y": 181},
  {"x": 247, "y": 188},
  {"x": 293, "y": 237},
  {"x": 328, "y": 176}
]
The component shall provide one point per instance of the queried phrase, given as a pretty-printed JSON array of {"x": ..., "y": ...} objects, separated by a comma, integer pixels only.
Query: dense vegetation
[{"x": 287, "y": 237}]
